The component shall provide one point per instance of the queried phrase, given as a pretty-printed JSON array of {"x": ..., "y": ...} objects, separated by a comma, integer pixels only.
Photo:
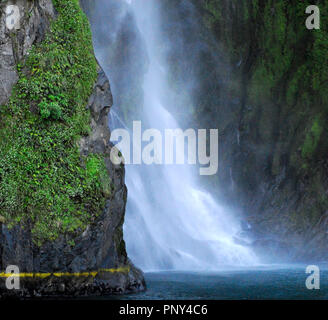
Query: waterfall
[{"x": 171, "y": 223}]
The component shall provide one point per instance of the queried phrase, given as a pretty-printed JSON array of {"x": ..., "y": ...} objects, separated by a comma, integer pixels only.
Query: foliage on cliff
[
  {"x": 283, "y": 61},
  {"x": 44, "y": 182},
  {"x": 279, "y": 73}
]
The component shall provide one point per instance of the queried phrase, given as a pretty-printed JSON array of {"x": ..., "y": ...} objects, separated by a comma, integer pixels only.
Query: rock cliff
[
  {"x": 273, "y": 122},
  {"x": 89, "y": 256}
]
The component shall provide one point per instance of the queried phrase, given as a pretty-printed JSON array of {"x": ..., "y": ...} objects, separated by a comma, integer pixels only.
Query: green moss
[
  {"x": 261, "y": 84},
  {"x": 215, "y": 12},
  {"x": 44, "y": 180},
  {"x": 312, "y": 139},
  {"x": 294, "y": 85}
]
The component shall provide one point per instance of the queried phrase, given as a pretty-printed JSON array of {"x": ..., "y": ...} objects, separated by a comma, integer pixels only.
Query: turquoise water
[{"x": 280, "y": 282}]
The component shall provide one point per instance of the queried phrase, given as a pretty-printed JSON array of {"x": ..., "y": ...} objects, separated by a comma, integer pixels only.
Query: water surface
[{"x": 280, "y": 282}]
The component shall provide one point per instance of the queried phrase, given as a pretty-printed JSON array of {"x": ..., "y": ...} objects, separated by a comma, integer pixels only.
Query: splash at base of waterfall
[{"x": 180, "y": 227}]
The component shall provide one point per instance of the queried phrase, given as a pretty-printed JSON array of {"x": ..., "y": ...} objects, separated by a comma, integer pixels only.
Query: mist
[{"x": 152, "y": 60}]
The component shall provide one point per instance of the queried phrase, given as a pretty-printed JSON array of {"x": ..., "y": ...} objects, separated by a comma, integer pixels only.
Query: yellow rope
[{"x": 65, "y": 274}]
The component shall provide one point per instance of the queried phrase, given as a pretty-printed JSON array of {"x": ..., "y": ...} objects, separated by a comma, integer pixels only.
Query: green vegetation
[
  {"x": 44, "y": 181},
  {"x": 286, "y": 50},
  {"x": 284, "y": 116},
  {"x": 289, "y": 66},
  {"x": 215, "y": 19},
  {"x": 312, "y": 139}
]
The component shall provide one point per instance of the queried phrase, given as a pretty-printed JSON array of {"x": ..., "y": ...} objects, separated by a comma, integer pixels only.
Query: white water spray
[{"x": 170, "y": 223}]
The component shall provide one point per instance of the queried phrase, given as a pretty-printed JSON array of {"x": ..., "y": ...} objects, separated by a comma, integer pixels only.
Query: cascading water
[{"x": 170, "y": 223}]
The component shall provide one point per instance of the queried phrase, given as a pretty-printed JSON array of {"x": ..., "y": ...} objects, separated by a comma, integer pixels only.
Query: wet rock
[{"x": 35, "y": 17}]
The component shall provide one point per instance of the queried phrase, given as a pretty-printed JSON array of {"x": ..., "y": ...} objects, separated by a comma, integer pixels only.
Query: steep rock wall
[
  {"x": 274, "y": 139},
  {"x": 89, "y": 261}
]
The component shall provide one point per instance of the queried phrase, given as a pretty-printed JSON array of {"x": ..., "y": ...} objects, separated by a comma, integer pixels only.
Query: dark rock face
[
  {"x": 100, "y": 248},
  {"x": 34, "y": 21},
  {"x": 273, "y": 146},
  {"x": 95, "y": 262}
]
